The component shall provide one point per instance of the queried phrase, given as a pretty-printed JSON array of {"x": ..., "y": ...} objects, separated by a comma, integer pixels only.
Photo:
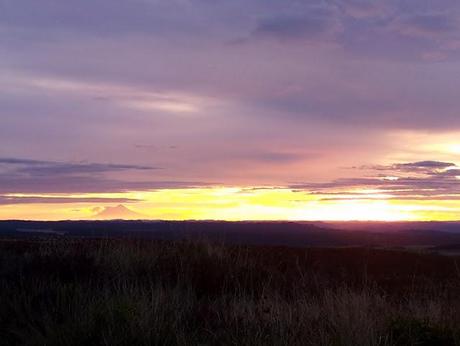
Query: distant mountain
[{"x": 120, "y": 212}]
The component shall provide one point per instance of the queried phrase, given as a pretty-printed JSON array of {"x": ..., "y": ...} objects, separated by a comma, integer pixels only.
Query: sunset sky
[{"x": 242, "y": 109}]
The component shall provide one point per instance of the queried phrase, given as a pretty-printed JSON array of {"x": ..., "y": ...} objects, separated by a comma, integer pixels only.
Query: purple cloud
[
  {"x": 428, "y": 24},
  {"x": 312, "y": 24},
  {"x": 30, "y": 176},
  {"x": 424, "y": 180},
  {"x": 37, "y": 167},
  {"x": 14, "y": 200}
]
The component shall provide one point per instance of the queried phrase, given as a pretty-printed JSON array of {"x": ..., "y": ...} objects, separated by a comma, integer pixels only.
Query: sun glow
[
  {"x": 235, "y": 203},
  {"x": 421, "y": 144}
]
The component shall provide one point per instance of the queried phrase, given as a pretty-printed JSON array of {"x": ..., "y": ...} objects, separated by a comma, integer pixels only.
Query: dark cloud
[
  {"x": 313, "y": 23},
  {"x": 427, "y": 167},
  {"x": 268, "y": 156},
  {"x": 435, "y": 167},
  {"x": 35, "y": 176},
  {"x": 36, "y": 167},
  {"x": 10, "y": 184},
  {"x": 424, "y": 180},
  {"x": 425, "y": 164},
  {"x": 13, "y": 200},
  {"x": 68, "y": 168},
  {"x": 13, "y": 161}
]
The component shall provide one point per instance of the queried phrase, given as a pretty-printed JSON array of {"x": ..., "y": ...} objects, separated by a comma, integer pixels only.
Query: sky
[{"x": 232, "y": 110}]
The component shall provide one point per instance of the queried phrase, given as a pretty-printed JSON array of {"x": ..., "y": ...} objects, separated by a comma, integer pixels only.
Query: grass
[{"x": 120, "y": 292}]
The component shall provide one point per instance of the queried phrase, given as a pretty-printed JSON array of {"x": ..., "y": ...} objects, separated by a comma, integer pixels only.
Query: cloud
[
  {"x": 13, "y": 161},
  {"x": 37, "y": 167},
  {"x": 364, "y": 9},
  {"x": 331, "y": 85},
  {"x": 30, "y": 176},
  {"x": 11, "y": 184},
  {"x": 310, "y": 72},
  {"x": 425, "y": 164},
  {"x": 427, "y": 24},
  {"x": 101, "y": 17},
  {"x": 423, "y": 180},
  {"x": 314, "y": 23},
  {"x": 267, "y": 156},
  {"x": 14, "y": 200},
  {"x": 427, "y": 167}
]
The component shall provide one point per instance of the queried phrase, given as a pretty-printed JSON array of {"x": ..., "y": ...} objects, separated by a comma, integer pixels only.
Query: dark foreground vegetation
[{"x": 68, "y": 291}]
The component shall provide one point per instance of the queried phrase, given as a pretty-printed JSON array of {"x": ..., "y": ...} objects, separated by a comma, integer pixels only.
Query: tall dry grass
[{"x": 107, "y": 292}]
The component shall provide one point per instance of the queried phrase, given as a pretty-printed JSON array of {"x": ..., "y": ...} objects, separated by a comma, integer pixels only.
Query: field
[{"x": 72, "y": 291}]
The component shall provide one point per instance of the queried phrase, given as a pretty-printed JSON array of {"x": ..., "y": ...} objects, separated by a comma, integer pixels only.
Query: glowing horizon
[{"x": 235, "y": 204}]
